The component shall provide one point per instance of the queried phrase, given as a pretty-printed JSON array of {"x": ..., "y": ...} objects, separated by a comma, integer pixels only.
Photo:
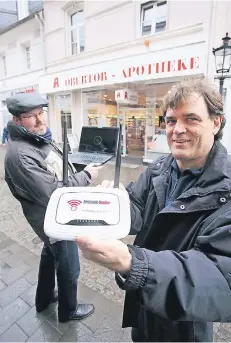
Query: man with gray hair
[
  {"x": 177, "y": 275},
  {"x": 33, "y": 170}
]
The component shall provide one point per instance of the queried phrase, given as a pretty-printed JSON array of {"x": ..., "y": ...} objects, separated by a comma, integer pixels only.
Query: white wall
[
  {"x": 109, "y": 23},
  {"x": 112, "y": 24},
  {"x": 188, "y": 12},
  {"x": 55, "y": 30},
  {"x": 12, "y": 44}
]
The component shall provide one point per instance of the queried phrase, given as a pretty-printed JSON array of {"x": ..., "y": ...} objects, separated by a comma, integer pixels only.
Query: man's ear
[
  {"x": 217, "y": 124},
  {"x": 16, "y": 120}
]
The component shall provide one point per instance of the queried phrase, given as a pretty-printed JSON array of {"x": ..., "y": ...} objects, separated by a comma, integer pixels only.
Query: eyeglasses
[{"x": 31, "y": 114}]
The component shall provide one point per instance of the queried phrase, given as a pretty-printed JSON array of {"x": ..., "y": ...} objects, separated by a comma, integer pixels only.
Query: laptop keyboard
[{"x": 93, "y": 158}]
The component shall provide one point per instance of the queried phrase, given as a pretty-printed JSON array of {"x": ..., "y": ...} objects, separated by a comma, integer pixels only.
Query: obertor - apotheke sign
[{"x": 136, "y": 68}]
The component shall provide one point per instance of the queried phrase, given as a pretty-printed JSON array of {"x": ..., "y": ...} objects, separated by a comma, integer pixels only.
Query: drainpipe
[
  {"x": 40, "y": 18},
  {"x": 210, "y": 35}
]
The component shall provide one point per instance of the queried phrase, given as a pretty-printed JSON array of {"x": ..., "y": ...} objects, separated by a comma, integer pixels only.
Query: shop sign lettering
[
  {"x": 136, "y": 72},
  {"x": 162, "y": 67}
]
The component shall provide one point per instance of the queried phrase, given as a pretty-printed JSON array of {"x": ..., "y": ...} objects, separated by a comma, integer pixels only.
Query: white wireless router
[{"x": 88, "y": 211}]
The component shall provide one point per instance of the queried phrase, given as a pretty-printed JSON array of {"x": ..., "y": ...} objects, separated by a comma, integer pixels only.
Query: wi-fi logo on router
[{"x": 74, "y": 204}]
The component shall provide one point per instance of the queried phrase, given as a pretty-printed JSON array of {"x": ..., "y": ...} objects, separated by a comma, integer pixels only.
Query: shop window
[
  {"x": 153, "y": 17},
  {"x": 77, "y": 32}
]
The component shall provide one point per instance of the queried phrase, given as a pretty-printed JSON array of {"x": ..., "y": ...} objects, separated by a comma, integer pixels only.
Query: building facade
[
  {"x": 111, "y": 62},
  {"x": 21, "y": 51}
]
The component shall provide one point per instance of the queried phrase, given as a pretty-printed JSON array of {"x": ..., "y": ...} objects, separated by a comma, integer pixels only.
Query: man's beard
[{"x": 42, "y": 131}]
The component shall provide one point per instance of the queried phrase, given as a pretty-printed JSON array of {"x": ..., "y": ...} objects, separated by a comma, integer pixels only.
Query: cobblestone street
[{"x": 19, "y": 258}]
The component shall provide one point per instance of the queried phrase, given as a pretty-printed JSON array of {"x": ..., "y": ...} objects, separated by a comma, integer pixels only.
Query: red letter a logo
[{"x": 56, "y": 82}]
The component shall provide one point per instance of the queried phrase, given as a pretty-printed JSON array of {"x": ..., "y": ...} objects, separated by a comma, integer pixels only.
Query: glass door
[
  {"x": 133, "y": 130},
  {"x": 135, "y": 122}
]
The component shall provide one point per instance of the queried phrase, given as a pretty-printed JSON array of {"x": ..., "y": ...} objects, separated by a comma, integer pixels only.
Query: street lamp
[{"x": 223, "y": 60}]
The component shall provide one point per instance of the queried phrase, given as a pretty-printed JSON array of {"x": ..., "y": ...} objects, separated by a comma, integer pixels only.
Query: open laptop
[{"x": 97, "y": 145}]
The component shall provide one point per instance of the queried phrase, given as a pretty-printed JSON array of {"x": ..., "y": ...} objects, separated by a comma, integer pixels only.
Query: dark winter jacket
[
  {"x": 180, "y": 278},
  {"x": 33, "y": 170}
]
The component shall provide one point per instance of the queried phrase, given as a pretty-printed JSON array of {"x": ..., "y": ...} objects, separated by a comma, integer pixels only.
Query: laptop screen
[{"x": 99, "y": 139}]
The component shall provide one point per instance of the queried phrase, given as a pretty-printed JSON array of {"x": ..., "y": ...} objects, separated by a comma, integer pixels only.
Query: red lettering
[
  {"x": 181, "y": 65},
  {"x": 194, "y": 62},
  {"x": 191, "y": 63},
  {"x": 30, "y": 90},
  {"x": 104, "y": 76},
  {"x": 162, "y": 67},
  {"x": 126, "y": 95},
  {"x": 129, "y": 72},
  {"x": 118, "y": 95},
  {"x": 169, "y": 66},
  {"x": 97, "y": 77},
  {"x": 157, "y": 67},
  {"x": 56, "y": 82},
  {"x": 149, "y": 69},
  {"x": 124, "y": 73},
  {"x": 140, "y": 70}
]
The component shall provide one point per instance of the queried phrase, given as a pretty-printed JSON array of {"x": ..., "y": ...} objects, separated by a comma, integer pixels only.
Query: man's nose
[
  {"x": 39, "y": 118},
  {"x": 179, "y": 128}
]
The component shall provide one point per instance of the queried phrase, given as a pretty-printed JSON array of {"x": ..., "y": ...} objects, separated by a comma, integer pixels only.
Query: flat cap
[{"x": 25, "y": 102}]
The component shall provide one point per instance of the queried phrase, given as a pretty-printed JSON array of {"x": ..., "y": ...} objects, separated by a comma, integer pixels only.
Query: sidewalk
[{"x": 19, "y": 320}]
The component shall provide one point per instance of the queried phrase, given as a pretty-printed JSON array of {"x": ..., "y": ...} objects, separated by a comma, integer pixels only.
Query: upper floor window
[
  {"x": 77, "y": 32},
  {"x": 28, "y": 57},
  {"x": 153, "y": 17}
]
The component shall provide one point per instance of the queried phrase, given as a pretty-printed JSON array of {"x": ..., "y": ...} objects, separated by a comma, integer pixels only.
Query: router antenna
[
  {"x": 118, "y": 160},
  {"x": 65, "y": 155}
]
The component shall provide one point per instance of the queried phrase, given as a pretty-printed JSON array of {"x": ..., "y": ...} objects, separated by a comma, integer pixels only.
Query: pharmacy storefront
[{"x": 128, "y": 90}]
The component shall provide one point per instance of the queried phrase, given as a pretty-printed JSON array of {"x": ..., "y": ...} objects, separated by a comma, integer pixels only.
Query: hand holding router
[{"x": 90, "y": 211}]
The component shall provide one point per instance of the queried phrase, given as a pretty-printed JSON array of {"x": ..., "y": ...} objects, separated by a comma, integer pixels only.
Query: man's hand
[
  {"x": 112, "y": 254},
  {"x": 110, "y": 184},
  {"x": 93, "y": 170}
]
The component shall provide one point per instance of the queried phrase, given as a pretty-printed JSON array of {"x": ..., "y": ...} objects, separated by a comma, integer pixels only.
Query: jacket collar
[
  {"x": 18, "y": 132},
  {"x": 216, "y": 175},
  {"x": 215, "y": 179}
]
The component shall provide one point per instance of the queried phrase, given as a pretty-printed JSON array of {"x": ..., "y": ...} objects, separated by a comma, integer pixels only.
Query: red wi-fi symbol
[{"x": 74, "y": 204}]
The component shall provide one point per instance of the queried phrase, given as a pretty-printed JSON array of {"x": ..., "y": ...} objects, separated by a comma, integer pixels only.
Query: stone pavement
[
  {"x": 19, "y": 320},
  {"x": 19, "y": 258}
]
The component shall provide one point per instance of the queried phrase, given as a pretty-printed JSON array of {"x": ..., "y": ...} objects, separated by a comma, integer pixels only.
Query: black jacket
[
  {"x": 180, "y": 278},
  {"x": 33, "y": 170}
]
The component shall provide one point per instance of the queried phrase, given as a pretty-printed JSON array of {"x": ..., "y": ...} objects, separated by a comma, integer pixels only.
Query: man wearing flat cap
[{"x": 33, "y": 170}]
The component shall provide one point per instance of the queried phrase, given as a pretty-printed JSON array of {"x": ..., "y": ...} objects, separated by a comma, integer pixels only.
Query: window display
[
  {"x": 143, "y": 122},
  {"x": 157, "y": 142},
  {"x": 63, "y": 111}
]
